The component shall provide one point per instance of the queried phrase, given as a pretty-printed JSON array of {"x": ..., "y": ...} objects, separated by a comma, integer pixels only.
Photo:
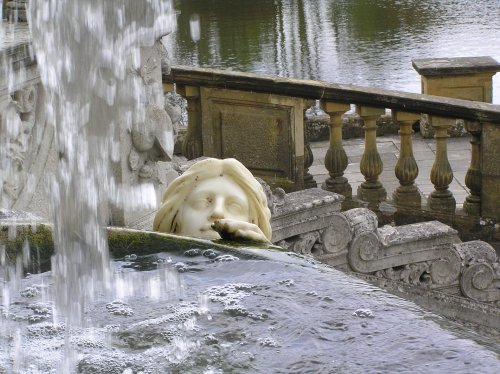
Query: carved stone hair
[{"x": 166, "y": 219}]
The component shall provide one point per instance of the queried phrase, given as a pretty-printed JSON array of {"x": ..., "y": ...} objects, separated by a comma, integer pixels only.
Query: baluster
[
  {"x": 371, "y": 165},
  {"x": 472, "y": 203},
  {"x": 193, "y": 143},
  {"x": 406, "y": 170},
  {"x": 309, "y": 181},
  {"x": 441, "y": 199},
  {"x": 336, "y": 159}
]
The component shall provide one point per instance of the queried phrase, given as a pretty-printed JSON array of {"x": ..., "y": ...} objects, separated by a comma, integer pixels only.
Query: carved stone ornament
[
  {"x": 480, "y": 278},
  {"x": 306, "y": 244},
  {"x": 481, "y": 281},
  {"x": 430, "y": 242},
  {"x": 26, "y": 143},
  {"x": 153, "y": 138},
  {"x": 150, "y": 142},
  {"x": 338, "y": 235}
]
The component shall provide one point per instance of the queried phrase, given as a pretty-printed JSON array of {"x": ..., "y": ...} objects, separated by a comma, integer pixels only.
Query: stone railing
[{"x": 260, "y": 120}]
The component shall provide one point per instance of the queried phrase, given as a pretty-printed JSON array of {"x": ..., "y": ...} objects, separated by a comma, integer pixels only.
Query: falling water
[{"x": 90, "y": 56}]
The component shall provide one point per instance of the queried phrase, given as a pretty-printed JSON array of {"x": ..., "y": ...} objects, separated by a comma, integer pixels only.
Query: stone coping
[
  {"x": 334, "y": 92},
  {"x": 456, "y": 65}
]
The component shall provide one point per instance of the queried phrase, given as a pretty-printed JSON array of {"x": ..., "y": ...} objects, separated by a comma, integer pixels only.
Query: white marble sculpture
[{"x": 213, "y": 199}]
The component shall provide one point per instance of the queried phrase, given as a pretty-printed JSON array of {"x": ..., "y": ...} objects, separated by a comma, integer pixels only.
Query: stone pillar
[
  {"x": 490, "y": 171},
  {"x": 472, "y": 204},
  {"x": 406, "y": 169},
  {"x": 309, "y": 181},
  {"x": 441, "y": 199},
  {"x": 193, "y": 143},
  {"x": 371, "y": 165},
  {"x": 336, "y": 159}
]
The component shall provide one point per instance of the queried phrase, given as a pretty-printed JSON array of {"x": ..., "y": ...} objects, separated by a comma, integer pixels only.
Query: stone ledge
[
  {"x": 449, "y": 305},
  {"x": 456, "y": 65}
]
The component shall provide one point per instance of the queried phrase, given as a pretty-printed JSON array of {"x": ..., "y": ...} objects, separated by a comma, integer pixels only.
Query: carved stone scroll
[
  {"x": 391, "y": 247},
  {"x": 361, "y": 220},
  {"x": 480, "y": 278},
  {"x": 481, "y": 282},
  {"x": 338, "y": 235}
]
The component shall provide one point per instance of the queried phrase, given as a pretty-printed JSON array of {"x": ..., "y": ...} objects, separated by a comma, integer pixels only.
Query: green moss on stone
[{"x": 121, "y": 241}]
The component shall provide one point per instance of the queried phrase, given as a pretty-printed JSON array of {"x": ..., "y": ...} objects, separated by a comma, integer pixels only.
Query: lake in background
[{"x": 362, "y": 42}]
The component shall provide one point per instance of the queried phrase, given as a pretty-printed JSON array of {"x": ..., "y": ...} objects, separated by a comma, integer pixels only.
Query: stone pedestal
[{"x": 467, "y": 78}]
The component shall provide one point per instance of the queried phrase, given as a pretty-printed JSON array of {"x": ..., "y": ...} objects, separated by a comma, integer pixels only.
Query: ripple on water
[{"x": 246, "y": 316}]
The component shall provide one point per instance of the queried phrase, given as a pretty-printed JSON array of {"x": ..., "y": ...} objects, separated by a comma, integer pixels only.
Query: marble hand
[{"x": 238, "y": 230}]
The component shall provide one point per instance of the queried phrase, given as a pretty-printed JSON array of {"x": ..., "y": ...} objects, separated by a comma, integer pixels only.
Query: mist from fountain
[{"x": 89, "y": 55}]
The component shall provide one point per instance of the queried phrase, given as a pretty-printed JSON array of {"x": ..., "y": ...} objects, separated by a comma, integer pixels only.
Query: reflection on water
[
  {"x": 363, "y": 42},
  {"x": 233, "y": 315}
]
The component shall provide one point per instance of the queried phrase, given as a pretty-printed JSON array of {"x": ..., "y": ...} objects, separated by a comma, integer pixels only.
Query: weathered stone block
[
  {"x": 305, "y": 211},
  {"x": 265, "y": 132},
  {"x": 428, "y": 246}
]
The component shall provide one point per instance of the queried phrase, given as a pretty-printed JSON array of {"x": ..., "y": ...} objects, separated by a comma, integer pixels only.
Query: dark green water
[{"x": 363, "y": 42}]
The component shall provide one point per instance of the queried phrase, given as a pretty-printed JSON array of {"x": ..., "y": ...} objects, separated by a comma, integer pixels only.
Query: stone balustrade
[{"x": 269, "y": 111}]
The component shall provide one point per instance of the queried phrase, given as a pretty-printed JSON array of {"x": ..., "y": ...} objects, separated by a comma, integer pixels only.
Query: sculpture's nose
[{"x": 218, "y": 209}]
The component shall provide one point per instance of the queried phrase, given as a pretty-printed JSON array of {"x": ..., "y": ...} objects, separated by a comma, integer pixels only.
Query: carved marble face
[
  {"x": 212, "y": 199},
  {"x": 209, "y": 190}
]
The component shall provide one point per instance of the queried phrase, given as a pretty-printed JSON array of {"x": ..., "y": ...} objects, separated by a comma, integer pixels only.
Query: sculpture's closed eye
[
  {"x": 201, "y": 202},
  {"x": 235, "y": 207}
]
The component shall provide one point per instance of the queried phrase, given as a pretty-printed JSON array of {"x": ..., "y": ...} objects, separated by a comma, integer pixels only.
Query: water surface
[
  {"x": 363, "y": 42},
  {"x": 215, "y": 313}
]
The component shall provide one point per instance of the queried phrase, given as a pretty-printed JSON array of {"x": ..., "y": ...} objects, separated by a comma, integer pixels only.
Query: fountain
[{"x": 174, "y": 304}]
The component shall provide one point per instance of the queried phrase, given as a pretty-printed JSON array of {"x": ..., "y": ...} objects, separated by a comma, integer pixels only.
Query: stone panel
[
  {"x": 267, "y": 153},
  {"x": 265, "y": 132}
]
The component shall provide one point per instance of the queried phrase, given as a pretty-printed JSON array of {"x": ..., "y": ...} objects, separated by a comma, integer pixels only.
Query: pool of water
[
  {"x": 208, "y": 312},
  {"x": 363, "y": 42}
]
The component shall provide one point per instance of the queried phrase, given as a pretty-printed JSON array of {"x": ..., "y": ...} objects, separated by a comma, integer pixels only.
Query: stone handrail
[{"x": 338, "y": 93}]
